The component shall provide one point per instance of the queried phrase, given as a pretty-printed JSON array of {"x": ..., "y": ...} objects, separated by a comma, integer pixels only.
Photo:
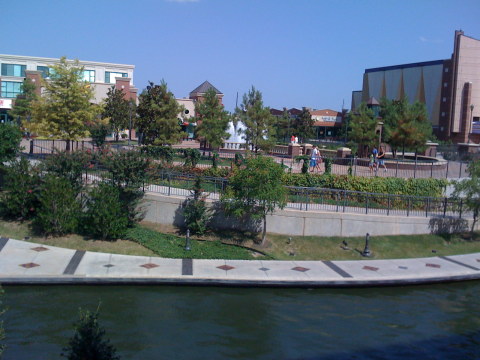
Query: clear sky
[{"x": 296, "y": 52}]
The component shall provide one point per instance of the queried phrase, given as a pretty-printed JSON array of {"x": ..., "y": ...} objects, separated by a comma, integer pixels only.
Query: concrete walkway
[{"x": 23, "y": 262}]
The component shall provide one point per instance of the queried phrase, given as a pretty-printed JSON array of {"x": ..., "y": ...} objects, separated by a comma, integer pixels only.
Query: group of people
[
  {"x": 294, "y": 139},
  {"x": 377, "y": 159}
]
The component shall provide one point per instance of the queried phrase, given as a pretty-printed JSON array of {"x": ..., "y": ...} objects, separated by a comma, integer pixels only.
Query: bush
[
  {"x": 10, "y": 145},
  {"x": 59, "y": 211},
  {"x": 192, "y": 156},
  {"x": 328, "y": 166},
  {"x": 105, "y": 217},
  {"x": 21, "y": 188},
  {"x": 197, "y": 214},
  {"x": 165, "y": 153},
  {"x": 128, "y": 170},
  {"x": 98, "y": 133}
]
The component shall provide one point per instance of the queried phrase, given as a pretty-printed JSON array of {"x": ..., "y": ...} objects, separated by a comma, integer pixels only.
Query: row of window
[
  {"x": 10, "y": 89},
  {"x": 88, "y": 75}
]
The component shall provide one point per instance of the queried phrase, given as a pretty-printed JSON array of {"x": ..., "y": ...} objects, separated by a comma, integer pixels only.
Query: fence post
[
  {"x": 408, "y": 206},
  {"x": 366, "y": 204},
  {"x": 53, "y": 145},
  {"x": 431, "y": 171},
  {"x": 168, "y": 177},
  {"x": 415, "y": 168},
  {"x": 460, "y": 172},
  {"x": 31, "y": 146},
  {"x": 396, "y": 169},
  {"x": 83, "y": 145},
  {"x": 446, "y": 175},
  {"x": 444, "y": 207},
  {"x": 461, "y": 208},
  {"x": 308, "y": 199},
  {"x": 336, "y": 200},
  {"x": 427, "y": 206},
  {"x": 344, "y": 200},
  {"x": 388, "y": 204},
  {"x": 355, "y": 166}
]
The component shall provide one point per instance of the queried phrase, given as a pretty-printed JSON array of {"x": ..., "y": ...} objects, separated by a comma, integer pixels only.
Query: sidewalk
[{"x": 23, "y": 262}]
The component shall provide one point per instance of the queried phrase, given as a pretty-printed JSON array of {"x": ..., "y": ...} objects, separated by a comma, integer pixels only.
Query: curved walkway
[{"x": 23, "y": 262}]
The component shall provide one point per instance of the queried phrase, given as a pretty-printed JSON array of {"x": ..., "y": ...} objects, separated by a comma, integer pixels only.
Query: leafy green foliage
[
  {"x": 116, "y": 109},
  {"x": 328, "y": 165},
  {"x": 362, "y": 124},
  {"x": 21, "y": 187},
  {"x": 171, "y": 246},
  {"x": 165, "y": 153},
  {"x": 158, "y": 112},
  {"x": 22, "y": 108},
  {"x": 10, "y": 136},
  {"x": 259, "y": 123},
  {"x": 469, "y": 190},
  {"x": 255, "y": 190},
  {"x": 283, "y": 126},
  {"x": 192, "y": 156},
  {"x": 197, "y": 214},
  {"x": 105, "y": 217},
  {"x": 212, "y": 119},
  {"x": 65, "y": 110},
  {"x": 302, "y": 125},
  {"x": 128, "y": 169},
  {"x": 305, "y": 162},
  {"x": 59, "y": 211},
  {"x": 98, "y": 133},
  {"x": 89, "y": 341}
]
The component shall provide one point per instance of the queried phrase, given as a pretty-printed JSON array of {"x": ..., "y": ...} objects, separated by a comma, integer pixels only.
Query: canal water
[{"x": 160, "y": 322}]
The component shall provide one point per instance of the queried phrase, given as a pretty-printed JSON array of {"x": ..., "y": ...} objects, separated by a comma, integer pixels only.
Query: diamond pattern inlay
[
  {"x": 39, "y": 249},
  {"x": 433, "y": 265},
  {"x": 371, "y": 268},
  {"x": 300, "y": 268},
  {"x": 149, "y": 266},
  {"x": 264, "y": 269},
  {"x": 29, "y": 265},
  {"x": 109, "y": 265},
  {"x": 225, "y": 267}
]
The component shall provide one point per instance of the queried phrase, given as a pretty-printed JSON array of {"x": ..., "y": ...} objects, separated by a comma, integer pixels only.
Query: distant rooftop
[{"x": 204, "y": 87}]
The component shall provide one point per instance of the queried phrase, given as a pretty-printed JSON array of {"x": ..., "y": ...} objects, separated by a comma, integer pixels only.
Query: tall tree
[
  {"x": 116, "y": 109},
  {"x": 303, "y": 125},
  {"x": 406, "y": 126},
  {"x": 213, "y": 120},
  {"x": 65, "y": 110},
  {"x": 256, "y": 190},
  {"x": 158, "y": 112},
  {"x": 469, "y": 191},
  {"x": 259, "y": 123},
  {"x": 283, "y": 126},
  {"x": 22, "y": 109},
  {"x": 363, "y": 124}
]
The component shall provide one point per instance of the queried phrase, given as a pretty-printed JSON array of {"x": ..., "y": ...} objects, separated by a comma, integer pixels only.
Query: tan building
[{"x": 449, "y": 88}]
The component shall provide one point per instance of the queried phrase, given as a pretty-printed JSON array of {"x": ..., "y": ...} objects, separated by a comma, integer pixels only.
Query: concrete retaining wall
[{"x": 167, "y": 210}]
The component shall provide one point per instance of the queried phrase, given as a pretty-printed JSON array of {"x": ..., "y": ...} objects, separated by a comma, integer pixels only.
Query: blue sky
[{"x": 296, "y": 52}]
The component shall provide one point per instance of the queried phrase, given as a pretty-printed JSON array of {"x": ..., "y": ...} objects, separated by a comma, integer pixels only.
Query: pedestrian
[
  {"x": 371, "y": 163},
  {"x": 381, "y": 158},
  {"x": 296, "y": 139},
  {"x": 292, "y": 139},
  {"x": 319, "y": 160},
  {"x": 313, "y": 158},
  {"x": 375, "y": 157}
]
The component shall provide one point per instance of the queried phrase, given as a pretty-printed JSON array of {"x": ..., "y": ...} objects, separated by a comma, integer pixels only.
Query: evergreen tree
[
  {"x": 363, "y": 124},
  {"x": 10, "y": 136},
  {"x": 303, "y": 125},
  {"x": 116, "y": 109},
  {"x": 259, "y": 123},
  {"x": 22, "y": 108},
  {"x": 212, "y": 119},
  {"x": 88, "y": 341},
  {"x": 65, "y": 110},
  {"x": 283, "y": 126},
  {"x": 158, "y": 112}
]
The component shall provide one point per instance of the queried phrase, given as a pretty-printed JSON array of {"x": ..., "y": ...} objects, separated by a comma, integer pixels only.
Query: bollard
[{"x": 366, "y": 252}]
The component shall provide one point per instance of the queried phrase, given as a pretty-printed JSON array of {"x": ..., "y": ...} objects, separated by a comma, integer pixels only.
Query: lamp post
[
  {"x": 380, "y": 124},
  {"x": 471, "y": 121},
  {"x": 130, "y": 122},
  {"x": 187, "y": 241},
  {"x": 366, "y": 252}
]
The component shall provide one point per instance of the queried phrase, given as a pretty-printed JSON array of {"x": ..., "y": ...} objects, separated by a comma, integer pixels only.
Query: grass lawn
[{"x": 163, "y": 240}]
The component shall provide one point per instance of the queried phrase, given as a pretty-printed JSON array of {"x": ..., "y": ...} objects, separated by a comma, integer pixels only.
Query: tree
[
  {"x": 212, "y": 119},
  {"x": 116, "y": 109},
  {"x": 303, "y": 125},
  {"x": 468, "y": 190},
  {"x": 256, "y": 190},
  {"x": 22, "y": 109},
  {"x": 362, "y": 124},
  {"x": 10, "y": 136},
  {"x": 158, "y": 112},
  {"x": 259, "y": 123},
  {"x": 283, "y": 126},
  {"x": 406, "y": 126},
  {"x": 65, "y": 110},
  {"x": 88, "y": 341},
  {"x": 197, "y": 214}
]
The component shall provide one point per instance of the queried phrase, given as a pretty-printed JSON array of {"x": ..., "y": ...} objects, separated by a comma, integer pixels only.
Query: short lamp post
[
  {"x": 380, "y": 128},
  {"x": 471, "y": 121},
  {"x": 187, "y": 241},
  {"x": 130, "y": 122},
  {"x": 366, "y": 252}
]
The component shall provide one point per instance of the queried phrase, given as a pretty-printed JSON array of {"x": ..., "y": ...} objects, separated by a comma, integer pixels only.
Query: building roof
[
  {"x": 372, "y": 101},
  {"x": 324, "y": 112},
  {"x": 204, "y": 87},
  {"x": 405, "y": 66}
]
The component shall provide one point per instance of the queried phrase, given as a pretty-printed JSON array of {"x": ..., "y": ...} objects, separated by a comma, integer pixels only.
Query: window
[
  {"x": 446, "y": 69},
  {"x": 45, "y": 71},
  {"x": 11, "y": 89},
  {"x": 443, "y": 113},
  {"x": 444, "y": 99},
  {"x": 13, "y": 70},
  {"x": 445, "y": 85},
  {"x": 89, "y": 75},
  {"x": 110, "y": 76}
]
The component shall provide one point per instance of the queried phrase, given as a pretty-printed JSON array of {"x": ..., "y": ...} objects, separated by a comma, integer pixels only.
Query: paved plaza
[{"x": 23, "y": 262}]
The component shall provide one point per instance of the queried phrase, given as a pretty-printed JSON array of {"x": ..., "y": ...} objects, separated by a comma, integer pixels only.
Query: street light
[
  {"x": 380, "y": 124},
  {"x": 471, "y": 121},
  {"x": 366, "y": 252},
  {"x": 130, "y": 122}
]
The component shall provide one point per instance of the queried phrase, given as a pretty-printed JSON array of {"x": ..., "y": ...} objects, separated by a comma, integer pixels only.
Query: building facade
[
  {"x": 449, "y": 88},
  {"x": 102, "y": 76}
]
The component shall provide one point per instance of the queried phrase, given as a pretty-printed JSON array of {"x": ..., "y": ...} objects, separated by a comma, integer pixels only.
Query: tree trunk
[
  {"x": 264, "y": 233},
  {"x": 67, "y": 145}
]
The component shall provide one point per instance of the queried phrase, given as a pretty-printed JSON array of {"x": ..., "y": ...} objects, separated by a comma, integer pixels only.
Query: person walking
[
  {"x": 375, "y": 158},
  {"x": 313, "y": 158},
  {"x": 381, "y": 158}
]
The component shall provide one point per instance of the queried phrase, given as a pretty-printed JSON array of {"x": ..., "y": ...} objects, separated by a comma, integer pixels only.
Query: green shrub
[
  {"x": 239, "y": 159},
  {"x": 192, "y": 156},
  {"x": 105, "y": 217},
  {"x": 165, "y": 153},
  {"x": 98, "y": 133},
  {"x": 215, "y": 157},
  {"x": 328, "y": 165},
  {"x": 21, "y": 187},
  {"x": 59, "y": 211},
  {"x": 11, "y": 136},
  {"x": 128, "y": 170},
  {"x": 197, "y": 214}
]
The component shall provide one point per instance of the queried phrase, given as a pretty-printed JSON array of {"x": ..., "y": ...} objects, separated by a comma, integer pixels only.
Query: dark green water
[{"x": 428, "y": 322}]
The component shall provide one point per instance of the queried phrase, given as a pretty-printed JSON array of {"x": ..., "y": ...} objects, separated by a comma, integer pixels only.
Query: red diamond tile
[
  {"x": 300, "y": 268},
  {"x": 29, "y": 265},
  {"x": 371, "y": 268},
  {"x": 433, "y": 265},
  {"x": 149, "y": 266},
  {"x": 39, "y": 248},
  {"x": 225, "y": 267}
]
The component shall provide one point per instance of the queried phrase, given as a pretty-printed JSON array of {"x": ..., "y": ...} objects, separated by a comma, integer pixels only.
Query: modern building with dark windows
[
  {"x": 449, "y": 88},
  {"x": 102, "y": 76}
]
